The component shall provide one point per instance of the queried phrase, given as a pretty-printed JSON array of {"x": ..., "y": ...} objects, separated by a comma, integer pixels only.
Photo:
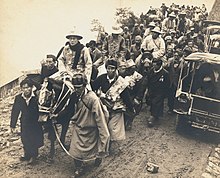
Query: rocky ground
[{"x": 191, "y": 154}]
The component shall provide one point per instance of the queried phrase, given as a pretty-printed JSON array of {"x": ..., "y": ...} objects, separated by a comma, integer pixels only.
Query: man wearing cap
[
  {"x": 114, "y": 43},
  {"x": 90, "y": 136},
  {"x": 116, "y": 108},
  {"x": 154, "y": 42},
  {"x": 76, "y": 56},
  {"x": 169, "y": 23},
  {"x": 158, "y": 83}
]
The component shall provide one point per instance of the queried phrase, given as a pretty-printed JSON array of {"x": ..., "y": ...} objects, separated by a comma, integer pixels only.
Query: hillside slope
[{"x": 215, "y": 13}]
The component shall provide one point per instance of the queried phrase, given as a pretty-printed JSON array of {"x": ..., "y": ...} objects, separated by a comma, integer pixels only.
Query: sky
[{"x": 30, "y": 29}]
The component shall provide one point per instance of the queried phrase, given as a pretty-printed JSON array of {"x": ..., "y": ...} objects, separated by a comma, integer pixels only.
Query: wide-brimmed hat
[
  {"x": 168, "y": 38},
  {"x": 152, "y": 24},
  {"x": 172, "y": 31},
  {"x": 156, "y": 30},
  {"x": 182, "y": 13},
  {"x": 138, "y": 37},
  {"x": 116, "y": 30},
  {"x": 73, "y": 34},
  {"x": 172, "y": 14}
]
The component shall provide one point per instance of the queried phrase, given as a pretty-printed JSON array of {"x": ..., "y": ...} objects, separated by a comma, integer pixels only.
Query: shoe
[
  {"x": 78, "y": 172},
  {"x": 32, "y": 161},
  {"x": 98, "y": 161},
  {"x": 24, "y": 158},
  {"x": 128, "y": 127},
  {"x": 151, "y": 121}
]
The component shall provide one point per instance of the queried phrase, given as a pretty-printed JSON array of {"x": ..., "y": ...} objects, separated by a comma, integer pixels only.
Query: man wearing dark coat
[
  {"x": 31, "y": 131},
  {"x": 157, "y": 88}
]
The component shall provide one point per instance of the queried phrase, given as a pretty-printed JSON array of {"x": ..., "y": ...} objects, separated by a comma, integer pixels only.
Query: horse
[{"x": 56, "y": 100}]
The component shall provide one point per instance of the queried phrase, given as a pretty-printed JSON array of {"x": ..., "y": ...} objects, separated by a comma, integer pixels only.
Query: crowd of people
[{"x": 111, "y": 78}]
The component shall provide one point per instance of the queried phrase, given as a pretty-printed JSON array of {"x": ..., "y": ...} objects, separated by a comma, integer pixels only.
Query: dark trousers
[
  {"x": 78, "y": 163},
  {"x": 171, "y": 97}
]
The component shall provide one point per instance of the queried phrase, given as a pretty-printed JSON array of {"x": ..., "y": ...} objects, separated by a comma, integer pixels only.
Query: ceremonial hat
[{"x": 73, "y": 34}]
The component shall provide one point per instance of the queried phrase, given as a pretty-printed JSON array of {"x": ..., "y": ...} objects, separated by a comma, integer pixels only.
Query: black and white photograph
[{"x": 110, "y": 89}]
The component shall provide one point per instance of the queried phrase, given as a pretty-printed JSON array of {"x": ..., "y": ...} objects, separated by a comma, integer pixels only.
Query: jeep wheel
[{"x": 181, "y": 123}]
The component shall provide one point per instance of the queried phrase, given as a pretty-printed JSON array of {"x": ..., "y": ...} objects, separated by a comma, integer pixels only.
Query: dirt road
[{"x": 177, "y": 155}]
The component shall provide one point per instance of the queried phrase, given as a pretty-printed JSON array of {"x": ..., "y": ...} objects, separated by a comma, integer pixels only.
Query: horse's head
[
  {"x": 146, "y": 58},
  {"x": 46, "y": 95}
]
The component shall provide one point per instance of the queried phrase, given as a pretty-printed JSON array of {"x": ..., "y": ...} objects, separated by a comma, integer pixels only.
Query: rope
[{"x": 63, "y": 147}]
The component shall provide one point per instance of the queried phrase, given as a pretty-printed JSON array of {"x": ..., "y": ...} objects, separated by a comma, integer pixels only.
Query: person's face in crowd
[
  {"x": 181, "y": 17},
  {"x": 99, "y": 46},
  {"x": 115, "y": 35},
  {"x": 73, "y": 40},
  {"x": 172, "y": 35},
  {"x": 176, "y": 56},
  {"x": 50, "y": 63},
  {"x": 125, "y": 30},
  {"x": 156, "y": 65},
  {"x": 122, "y": 71},
  {"x": 190, "y": 44},
  {"x": 155, "y": 35},
  {"x": 79, "y": 89},
  {"x": 169, "y": 52},
  {"x": 192, "y": 32},
  {"x": 168, "y": 41},
  {"x": 122, "y": 54},
  {"x": 92, "y": 47},
  {"x": 130, "y": 70},
  {"x": 137, "y": 41},
  {"x": 26, "y": 89},
  {"x": 111, "y": 71}
]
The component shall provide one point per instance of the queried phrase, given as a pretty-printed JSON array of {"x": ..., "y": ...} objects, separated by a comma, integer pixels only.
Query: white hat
[
  {"x": 116, "y": 30},
  {"x": 73, "y": 34},
  {"x": 172, "y": 14},
  {"x": 182, "y": 13},
  {"x": 157, "y": 30},
  {"x": 152, "y": 24},
  {"x": 168, "y": 38}
]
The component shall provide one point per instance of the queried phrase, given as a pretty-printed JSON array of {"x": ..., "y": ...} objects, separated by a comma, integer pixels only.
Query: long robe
[
  {"x": 90, "y": 133},
  {"x": 31, "y": 130}
]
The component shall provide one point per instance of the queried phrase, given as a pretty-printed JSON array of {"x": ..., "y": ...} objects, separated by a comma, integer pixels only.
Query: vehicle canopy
[
  {"x": 204, "y": 57},
  {"x": 207, "y": 23}
]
